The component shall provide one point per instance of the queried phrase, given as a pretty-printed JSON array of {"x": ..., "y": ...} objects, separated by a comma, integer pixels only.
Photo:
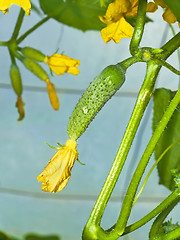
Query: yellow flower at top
[
  {"x": 25, "y": 4},
  {"x": 58, "y": 171},
  {"x": 117, "y": 27},
  {"x": 168, "y": 15},
  {"x": 60, "y": 64}
]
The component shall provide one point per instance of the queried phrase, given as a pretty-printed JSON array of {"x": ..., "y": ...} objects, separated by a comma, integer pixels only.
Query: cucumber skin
[
  {"x": 100, "y": 90},
  {"x": 16, "y": 79}
]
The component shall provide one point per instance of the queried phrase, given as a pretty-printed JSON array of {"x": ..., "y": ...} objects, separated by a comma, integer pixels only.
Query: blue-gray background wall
[{"x": 24, "y": 154}]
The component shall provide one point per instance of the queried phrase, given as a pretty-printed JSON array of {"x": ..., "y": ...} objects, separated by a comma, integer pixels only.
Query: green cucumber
[
  {"x": 16, "y": 79},
  {"x": 101, "y": 89}
]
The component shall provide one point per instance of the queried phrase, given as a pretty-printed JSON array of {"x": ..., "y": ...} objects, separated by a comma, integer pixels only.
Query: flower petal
[
  {"x": 52, "y": 95},
  {"x": 25, "y": 4},
  {"x": 151, "y": 7},
  {"x": 58, "y": 171},
  {"x": 115, "y": 11},
  {"x": 60, "y": 64},
  {"x": 116, "y": 31},
  {"x": 160, "y": 3},
  {"x": 168, "y": 16}
]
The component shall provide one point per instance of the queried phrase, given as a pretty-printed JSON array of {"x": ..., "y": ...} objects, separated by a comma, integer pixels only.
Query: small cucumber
[
  {"x": 16, "y": 79},
  {"x": 101, "y": 89}
]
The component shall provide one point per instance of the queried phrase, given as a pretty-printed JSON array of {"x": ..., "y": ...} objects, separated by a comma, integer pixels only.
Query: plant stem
[
  {"x": 21, "y": 38},
  {"x": 5, "y": 43},
  {"x": 18, "y": 25},
  {"x": 12, "y": 57},
  {"x": 128, "y": 200},
  {"x": 178, "y": 51},
  {"x": 161, "y": 217},
  {"x": 139, "y": 27},
  {"x": 161, "y": 207},
  {"x": 170, "y": 46},
  {"x": 140, "y": 106},
  {"x": 152, "y": 168},
  {"x": 168, "y": 66}
]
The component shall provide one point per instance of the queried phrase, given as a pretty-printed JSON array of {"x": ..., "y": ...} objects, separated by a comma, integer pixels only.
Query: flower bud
[
  {"x": 35, "y": 68},
  {"x": 33, "y": 53},
  {"x": 16, "y": 79},
  {"x": 52, "y": 95}
]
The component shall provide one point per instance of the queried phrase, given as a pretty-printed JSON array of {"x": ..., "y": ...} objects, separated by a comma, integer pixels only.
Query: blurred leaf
[
  {"x": 81, "y": 14},
  {"x": 171, "y": 134},
  {"x": 105, "y": 2},
  {"x": 4, "y": 236},
  {"x": 32, "y": 236},
  {"x": 174, "y": 5}
]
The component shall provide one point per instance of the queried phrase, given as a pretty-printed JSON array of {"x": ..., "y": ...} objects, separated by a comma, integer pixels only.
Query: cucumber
[
  {"x": 16, "y": 79},
  {"x": 100, "y": 90}
]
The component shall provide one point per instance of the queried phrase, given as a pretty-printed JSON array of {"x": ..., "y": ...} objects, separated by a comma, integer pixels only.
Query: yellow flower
[
  {"x": 25, "y": 4},
  {"x": 52, "y": 94},
  {"x": 117, "y": 26},
  {"x": 60, "y": 64},
  {"x": 168, "y": 16},
  {"x": 58, "y": 171}
]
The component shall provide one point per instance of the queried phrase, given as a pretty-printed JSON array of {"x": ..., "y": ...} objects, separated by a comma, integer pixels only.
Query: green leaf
[
  {"x": 169, "y": 226},
  {"x": 32, "y": 236},
  {"x": 81, "y": 14},
  {"x": 174, "y": 5},
  {"x": 165, "y": 227},
  {"x": 4, "y": 236},
  {"x": 171, "y": 160}
]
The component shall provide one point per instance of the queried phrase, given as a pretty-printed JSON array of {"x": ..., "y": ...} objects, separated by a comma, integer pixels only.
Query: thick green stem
[
  {"x": 161, "y": 207},
  {"x": 139, "y": 27},
  {"x": 12, "y": 57},
  {"x": 128, "y": 200},
  {"x": 18, "y": 24},
  {"x": 157, "y": 224},
  {"x": 178, "y": 51},
  {"x": 170, "y": 46},
  {"x": 20, "y": 39},
  {"x": 140, "y": 106}
]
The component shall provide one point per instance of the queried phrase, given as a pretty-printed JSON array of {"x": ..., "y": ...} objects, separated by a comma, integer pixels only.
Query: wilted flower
[
  {"x": 168, "y": 15},
  {"x": 20, "y": 107},
  {"x": 58, "y": 171},
  {"x": 52, "y": 94}
]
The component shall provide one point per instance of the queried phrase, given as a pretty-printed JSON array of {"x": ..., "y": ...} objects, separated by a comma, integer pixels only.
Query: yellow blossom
[
  {"x": 117, "y": 27},
  {"x": 168, "y": 15},
  {"x": 60, "y": 64},
  {"x": 25, "y": 4},
  {"x": 58, "y": 171},
  {"x": 52, "y": 94}
]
